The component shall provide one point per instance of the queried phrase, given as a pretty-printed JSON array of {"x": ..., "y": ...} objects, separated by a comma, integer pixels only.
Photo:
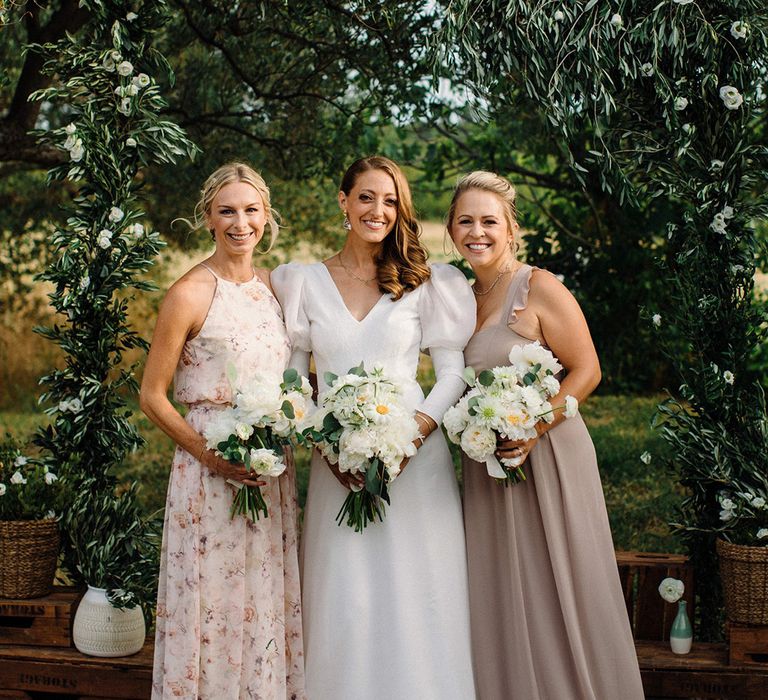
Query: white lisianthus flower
[
  {"x": 70, "y": 142},
  {"x": 718, "y": 223},
  {"x": 680, "y": 103},
  {"x": 20, "y": 461},
  {"x": 243, "y": 430},
  {"x": 559, "y": 16},
  {"x": 739, "y": 29},
  {"x": 716, "y": 165},
  {"x": 75, "y": 405},
  {"x": 758, "y": 502},
  {"x": 130, "y": 142},
  {"x": 131, "y": 16},
  {"x": 18, "y": 478},
  {"x": 645, "y": 458},
  {"x": 656, "y": 320},
  {"x": 132, "y": 90},
  {"x": 108, "y": 63},
  {"x": 85, "y": 282},
  {"x": 571, "y": 406},
  {"x": 105, "y": 239},
  {"x": 50, "y": 477},
  {"x": 4, "y": 488},
  {"x": 77, "y": 151},
  {"x": 116, "y": 56},
  {"x": 671, "y": 589},
  {"x": 70, "y": 128},
  {"x": 125, "y": 106},
  {"x": 646, "y": 70},
  {"x": 478, "y": 443},
  {"x": 731, "y": 97},
  {"x": 125, "y": 68},
  {"x": 727, "y": 212},
  {"x": 727, "y": 503},
  {"x": 142, "y": 80},
  {"x": 116, "y": 214},
  {"x": 266, "y": 463},
  {"x": 762, "y": 533},
  {"x": 616, "y": 20},
  {"x": 136, "y": 230},
  {"x": 728, "y": 377}
]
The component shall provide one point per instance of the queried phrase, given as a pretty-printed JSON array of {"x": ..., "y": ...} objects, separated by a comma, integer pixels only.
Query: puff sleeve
[
  {"x": 288, "y": 281},
  {"x": 448, "y": 313}
]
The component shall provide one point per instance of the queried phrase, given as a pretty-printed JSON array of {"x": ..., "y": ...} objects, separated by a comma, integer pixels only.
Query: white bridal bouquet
[
  {"x": 363, "y": 427},
  {"x": 508, "y": 402},
  {"x": 265, "y": 415}
]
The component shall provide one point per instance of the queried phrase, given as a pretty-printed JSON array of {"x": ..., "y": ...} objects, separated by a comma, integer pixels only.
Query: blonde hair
[
  {"x": 401, "y": 265},
  {"x": 226, "y": 175},
  {"x": 486, "y": 181}
]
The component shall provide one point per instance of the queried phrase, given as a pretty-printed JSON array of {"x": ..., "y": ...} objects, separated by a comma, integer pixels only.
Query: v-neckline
[{"x": 341, "y": 298}]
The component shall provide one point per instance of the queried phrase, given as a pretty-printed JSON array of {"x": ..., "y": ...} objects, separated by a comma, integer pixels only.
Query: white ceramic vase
[{"x": 100, "y": 629}]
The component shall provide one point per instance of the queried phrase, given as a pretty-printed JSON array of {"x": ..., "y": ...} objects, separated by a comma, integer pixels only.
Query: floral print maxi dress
[{"x": 228, "y": 610}]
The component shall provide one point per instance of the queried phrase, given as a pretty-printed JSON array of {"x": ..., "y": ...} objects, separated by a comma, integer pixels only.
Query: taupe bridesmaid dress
[{"x": 547, "y": 614}]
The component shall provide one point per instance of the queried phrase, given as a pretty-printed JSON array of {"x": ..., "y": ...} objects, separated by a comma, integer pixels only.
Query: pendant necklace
[
  {"x": 493, "y": 284},
  {"x": 352, "y": 274}
]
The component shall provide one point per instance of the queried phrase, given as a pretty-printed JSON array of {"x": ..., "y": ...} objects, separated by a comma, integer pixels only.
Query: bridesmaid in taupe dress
[{"x": 547, "y": 613}]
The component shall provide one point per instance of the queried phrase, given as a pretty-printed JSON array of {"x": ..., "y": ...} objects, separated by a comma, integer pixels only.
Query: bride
[{"x": 385, "y": 611}]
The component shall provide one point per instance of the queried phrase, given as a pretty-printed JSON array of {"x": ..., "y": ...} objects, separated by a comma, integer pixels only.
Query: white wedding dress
[{"x": 386, "y": 613}]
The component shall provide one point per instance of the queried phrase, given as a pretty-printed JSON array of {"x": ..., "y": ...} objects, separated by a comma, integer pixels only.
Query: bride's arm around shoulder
[{"x": 565, "y": 331}]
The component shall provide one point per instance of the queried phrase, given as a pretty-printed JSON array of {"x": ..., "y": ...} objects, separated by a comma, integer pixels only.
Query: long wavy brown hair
[{"x": 402, "y": 261}]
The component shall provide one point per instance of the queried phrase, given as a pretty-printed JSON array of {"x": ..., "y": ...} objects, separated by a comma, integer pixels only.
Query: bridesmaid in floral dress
[
  {"x": 228, "y": 613},
  {"x": 546, "y": 607}
]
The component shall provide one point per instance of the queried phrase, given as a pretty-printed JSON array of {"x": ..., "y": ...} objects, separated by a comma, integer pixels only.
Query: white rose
[
  {"x": 20, "y": 461},
  {"x": 762, "y": 533},
  {"x": 616, "y": 20},
  {"x": 727, "y": 212},
  {"x": 4, "y": 488},
  {"x": 559, "y": 16},
  {"x": 105, "y": 239},
  {"x": 125, "y": 68},
  {"x": 716, "y": 165},
  {"x": 130, "y": 142},
  {"x": 718, "y": 223},
  {"x": 132, "y": 90},
  {"x": 75, "y": 405},
  {"x": 758, "y": 502},
  {"x": 656, "y": 319},
  {"x": 571, "y": 406},
  {"x": 671, "y": 589},
  {"x": 727, "y": 503},
  {"x": 680, "y": 103},
  {"x": 243, "y": 430},
  {"x": 50, "y": 477},
  {"x": 646, "y": 70},
  {"x": 478, "y": 443},
  {"x": 142, "y": 80},
  {"x": 70, "y": 128},
  {"x": 739, "y": 29},
  {"x": 731, "y": 97},
  {"x": 18, "y": 478},
  {"x": 728, "y": 377},
  {"x": 116, "y": 214},
  {"x": 266, "y": 463},
  {"x": 645, "y": 458},
  {"x": 116, "y": 56}
]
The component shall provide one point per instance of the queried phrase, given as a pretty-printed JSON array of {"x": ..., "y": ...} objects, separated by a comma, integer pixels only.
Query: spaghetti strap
[{"x": 202, "y": 264}]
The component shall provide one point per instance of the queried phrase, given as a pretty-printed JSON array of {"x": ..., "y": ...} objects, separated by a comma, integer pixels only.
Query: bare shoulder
[
  {"x": 546, "y": 289},
  {"x": 191, "y": 292}
]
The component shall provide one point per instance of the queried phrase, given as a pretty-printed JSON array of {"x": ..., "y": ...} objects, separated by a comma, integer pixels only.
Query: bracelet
[
  {"x": 202, "y": 451},
  {"x": 420, "y": 438},
  {"x": 424, "y": 422}
]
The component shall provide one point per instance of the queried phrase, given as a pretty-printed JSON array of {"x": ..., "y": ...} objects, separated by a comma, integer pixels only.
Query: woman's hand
[
  {"x": 230, "y": 471},
  {"x": 517, "y": 449},
  {"x": 346, "y": 479}
]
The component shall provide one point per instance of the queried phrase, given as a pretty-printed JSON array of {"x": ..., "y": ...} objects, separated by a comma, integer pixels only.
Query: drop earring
[{"x": 347, "y": 226}]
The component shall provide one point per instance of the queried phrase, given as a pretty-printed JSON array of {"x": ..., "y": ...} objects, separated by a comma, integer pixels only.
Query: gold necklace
[
  {"x": 352, "y": 274},
  {"x": 493, "y": 284}
]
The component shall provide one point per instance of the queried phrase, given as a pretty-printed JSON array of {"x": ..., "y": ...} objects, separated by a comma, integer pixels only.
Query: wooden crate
[
  {"x": 66, "y": 672},
  {"x": 641, "y": 573},
  {"x": 39, "y": 621},
  {"x": 748, "y": 645}
]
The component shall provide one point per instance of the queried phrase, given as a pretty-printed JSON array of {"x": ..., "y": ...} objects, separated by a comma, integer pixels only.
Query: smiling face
[
  {"x": 371, "y": 206},
  {"x": 480, "y": 230},
  {"x": 237, "y": 217}
]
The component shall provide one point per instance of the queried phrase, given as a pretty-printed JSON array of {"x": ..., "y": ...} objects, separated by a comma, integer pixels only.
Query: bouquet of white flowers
[
  {"x": 363, "y": 427},
  {"x": 265, "y": 415},
  {"x": 508, "y": 402}
]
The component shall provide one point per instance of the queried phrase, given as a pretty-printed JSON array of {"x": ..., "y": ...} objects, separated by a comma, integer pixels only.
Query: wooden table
[
  {"x": 67, "y": 672},
  {"x": 704, "y": 673}
]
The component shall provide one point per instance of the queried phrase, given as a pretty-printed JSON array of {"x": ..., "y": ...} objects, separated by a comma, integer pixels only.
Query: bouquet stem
[
  {"x": 367, "y": 505},
  {"x": 249, "y": 501}
]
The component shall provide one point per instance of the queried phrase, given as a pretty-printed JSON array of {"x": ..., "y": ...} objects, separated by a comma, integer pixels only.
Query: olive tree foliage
[
  {"x": 674, "y": 91},
  {"x": 109, "y": 102}
]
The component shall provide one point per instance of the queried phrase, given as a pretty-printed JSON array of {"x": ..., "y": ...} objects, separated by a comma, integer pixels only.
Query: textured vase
[
  {"x": 101, "y": 629},
  {"x": 681, "y": 634}
]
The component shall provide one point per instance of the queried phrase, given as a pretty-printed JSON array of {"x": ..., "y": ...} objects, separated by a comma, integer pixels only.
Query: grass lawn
[{"x": 641, "y": 498}]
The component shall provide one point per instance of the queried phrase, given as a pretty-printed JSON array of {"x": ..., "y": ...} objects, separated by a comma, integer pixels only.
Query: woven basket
[
  {"x": 29, "y": 550},
  {"x": 744, "y": 573}
]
